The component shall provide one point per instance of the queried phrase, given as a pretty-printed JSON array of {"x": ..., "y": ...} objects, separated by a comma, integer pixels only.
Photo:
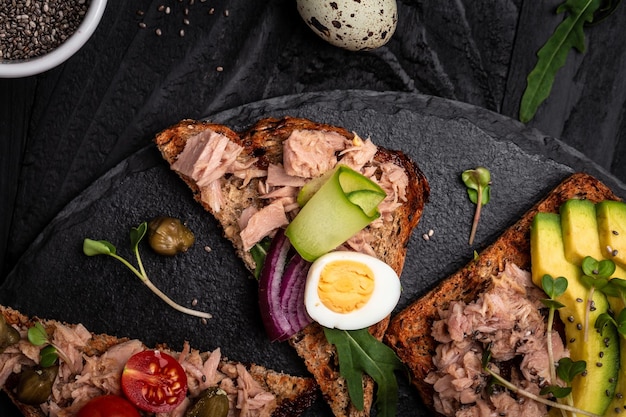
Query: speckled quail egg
[
  {"x": 349, "y": 290},
  {"x": 351, "y": 24}
]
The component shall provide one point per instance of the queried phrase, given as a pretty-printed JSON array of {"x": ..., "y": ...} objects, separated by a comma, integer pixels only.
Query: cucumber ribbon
[{"x": 335, "y": 207}]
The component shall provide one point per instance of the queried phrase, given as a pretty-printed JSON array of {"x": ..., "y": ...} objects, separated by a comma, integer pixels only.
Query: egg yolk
[{"x": 345, "y": 286}]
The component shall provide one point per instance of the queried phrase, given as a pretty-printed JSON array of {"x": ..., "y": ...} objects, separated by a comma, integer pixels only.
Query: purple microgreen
[{"x": 478, "y": 183}]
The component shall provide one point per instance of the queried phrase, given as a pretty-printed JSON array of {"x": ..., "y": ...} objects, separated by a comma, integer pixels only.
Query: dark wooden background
[{"x": 63, "y": 129}]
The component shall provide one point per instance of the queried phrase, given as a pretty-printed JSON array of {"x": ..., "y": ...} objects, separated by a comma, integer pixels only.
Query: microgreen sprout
[
  {"x": 478, "y": 183},
  {"x": 554, "y": 288},
  {"x": 605, "y": 319},
  {"x": 103, "y": 247},
  {"x": 596, "y": 276},
  {"x": 49, "y": 354},
  {"x": 567, "y": 370}
]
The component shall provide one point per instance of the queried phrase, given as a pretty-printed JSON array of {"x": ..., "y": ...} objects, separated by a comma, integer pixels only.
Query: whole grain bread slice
[
  {"x": 294, "y": 394},
  {"x": 264, "y": 140},
  {"x": 409, "y": 332}
]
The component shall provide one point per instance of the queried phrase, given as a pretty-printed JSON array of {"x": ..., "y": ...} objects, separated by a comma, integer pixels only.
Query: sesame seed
[
  {"x": 142, "y": 25},
  {"x": 158, "y": 32},
  {"x": 204, "y": 321},
  {"x": 207, "y": 249},
  {"x": 226, "y": 13},
  {"x": 167, "y": 10},
  {"x": 615, "y": 232},
  {"x": 161, "y": 8},
  {"x": 212, "y": 10},
  {"x": 219, "y": 69},
  {"x": 431, "y": 232},
  {"x": 181, "y": 33},
  {"x": 579, "y": 326},
  {"x": 425, "y": 236},
  {"x": 194, "y": 302}
]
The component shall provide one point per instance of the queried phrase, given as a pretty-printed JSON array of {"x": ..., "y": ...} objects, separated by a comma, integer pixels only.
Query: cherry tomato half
[
  {"x": 154, "y": 381},
  {"x": 108, "y": 406}
]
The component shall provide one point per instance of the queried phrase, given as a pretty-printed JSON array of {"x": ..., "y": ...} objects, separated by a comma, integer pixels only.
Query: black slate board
[{"x": 55, "y": 280}]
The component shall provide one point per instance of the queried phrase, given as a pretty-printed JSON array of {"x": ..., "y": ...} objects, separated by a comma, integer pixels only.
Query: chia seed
[{"x": 30, "y": 29}]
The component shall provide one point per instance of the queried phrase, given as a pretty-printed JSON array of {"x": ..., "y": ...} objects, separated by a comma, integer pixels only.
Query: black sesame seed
[
  {"x": 615, "y": 232},
  {"x": 601, "y": 354},
  {"x": 579, "y": 326},
  {"x": 599, "y": 364},
  {"x": 570, "y": 319},
  {"x": 579, "y": 300}
]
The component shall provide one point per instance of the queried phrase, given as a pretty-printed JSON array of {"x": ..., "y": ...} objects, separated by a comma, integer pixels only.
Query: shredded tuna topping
[
  {"x": 307, "y": 154},
  {"x": 507, "y": 320},
  {"x": 86, "y": 377}
]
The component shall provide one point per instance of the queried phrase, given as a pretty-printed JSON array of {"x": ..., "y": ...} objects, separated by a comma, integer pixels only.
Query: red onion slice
[
  {"x": 292, "y": 292},
  {"x": 281, "y": 291}
]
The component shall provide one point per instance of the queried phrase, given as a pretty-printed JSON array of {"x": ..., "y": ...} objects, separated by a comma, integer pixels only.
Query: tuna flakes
[{"x": 507, "y": 320}]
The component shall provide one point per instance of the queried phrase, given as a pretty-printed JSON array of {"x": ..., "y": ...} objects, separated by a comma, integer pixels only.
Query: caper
[
  {"x": 35, "y": 385},
  {"x": 168, "y": 236},
  {"x": 8, "y": 334},
  {"x": 212, "y": 402}
]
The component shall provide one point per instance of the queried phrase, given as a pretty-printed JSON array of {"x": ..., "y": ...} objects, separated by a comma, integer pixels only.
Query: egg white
[{"x": 383, "y": 300}]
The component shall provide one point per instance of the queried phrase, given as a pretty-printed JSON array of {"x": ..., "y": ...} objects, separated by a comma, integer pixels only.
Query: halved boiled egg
[{"x": 350, "y": 290}]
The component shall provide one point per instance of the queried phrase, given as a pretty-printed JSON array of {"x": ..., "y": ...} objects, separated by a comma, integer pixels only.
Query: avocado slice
[
  {"x": 584, "y": 230},
  {"x": 594, "y": 390},
  {"x": 611, "y": 216}
]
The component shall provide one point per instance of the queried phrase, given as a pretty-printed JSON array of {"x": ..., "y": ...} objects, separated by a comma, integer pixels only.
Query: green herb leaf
[
  {"x": 556, "y": 391},
  {"x": 553, "y": 287},
  {"x": 553, "y": 54},
  {"x": 259, "y": 252},
  {"x": 136, "y": 234},
  {"x": 604, "y": 320},
  {"x": 98, "y": 247},
  {"x": 48, "y": 356},
  {"x": 359, "y": 352},
  {"x": 37, "y": 335},
  {"x": 568, "y": 369}
]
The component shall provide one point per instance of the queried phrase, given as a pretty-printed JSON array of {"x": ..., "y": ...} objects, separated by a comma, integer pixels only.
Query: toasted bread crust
[
  {"x": 293, "y": 394},
  {"x": 264, "y": 140},
  {"x": 409, "y": 332}
]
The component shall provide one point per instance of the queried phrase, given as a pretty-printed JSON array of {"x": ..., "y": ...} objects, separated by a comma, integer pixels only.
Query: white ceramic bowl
[{"x": 36, "y": 65}]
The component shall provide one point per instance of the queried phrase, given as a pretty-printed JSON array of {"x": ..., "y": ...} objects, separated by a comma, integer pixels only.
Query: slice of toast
[
  {"x": 409, "y": 332},
  {"x": 264, "y": 141},
  {"x": 293, "y": 394}
]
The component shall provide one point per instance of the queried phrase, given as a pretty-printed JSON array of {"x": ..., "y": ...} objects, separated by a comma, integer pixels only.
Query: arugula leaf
[
  {"x": 553, "y": 54},
  {"x": 359, "y": 352}
]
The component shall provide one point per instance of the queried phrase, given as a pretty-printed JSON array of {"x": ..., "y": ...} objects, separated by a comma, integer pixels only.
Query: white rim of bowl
[{"x": 37, "y": 65}]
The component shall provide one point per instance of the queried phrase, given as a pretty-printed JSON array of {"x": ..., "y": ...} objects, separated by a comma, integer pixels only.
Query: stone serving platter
[{"x": 54, "y": 279}]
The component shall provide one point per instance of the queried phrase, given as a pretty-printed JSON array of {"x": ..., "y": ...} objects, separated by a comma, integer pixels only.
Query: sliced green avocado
[
  {"x": 611, "y": 217},
  {"x": 583, "y": 232},
  {"x": 592, "y": 391}
]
